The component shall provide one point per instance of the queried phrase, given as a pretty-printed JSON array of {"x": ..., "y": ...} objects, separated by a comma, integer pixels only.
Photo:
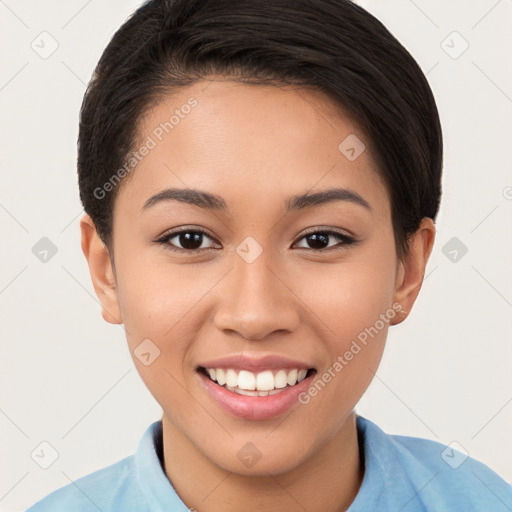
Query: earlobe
[
  {"x": 411, "y": 272},
  {"x": 100, "y": 268}
]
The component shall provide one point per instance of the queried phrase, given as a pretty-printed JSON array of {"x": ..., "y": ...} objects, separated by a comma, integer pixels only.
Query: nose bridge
[
  {"x": 257, "y": 280},
  {"x": 254, "y": 301}
]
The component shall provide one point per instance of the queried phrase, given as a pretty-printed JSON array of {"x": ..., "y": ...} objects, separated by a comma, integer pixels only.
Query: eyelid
[
  {"x": 327, "y": 229},
  {"x": 179, "y": 229}
]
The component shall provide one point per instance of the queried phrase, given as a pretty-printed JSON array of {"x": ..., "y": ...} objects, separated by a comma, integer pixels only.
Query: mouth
[
  {"x": 265, "y": 383},
  {"x": 261, "y": 395}
]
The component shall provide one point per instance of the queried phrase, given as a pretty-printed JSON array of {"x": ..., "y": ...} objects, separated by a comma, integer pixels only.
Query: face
[{"x": 254, "y": 281}]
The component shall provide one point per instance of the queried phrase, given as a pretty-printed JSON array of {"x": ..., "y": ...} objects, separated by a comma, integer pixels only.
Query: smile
[
  {"x": 260, "y": 395},
  {"x": 265, "y": 383}
]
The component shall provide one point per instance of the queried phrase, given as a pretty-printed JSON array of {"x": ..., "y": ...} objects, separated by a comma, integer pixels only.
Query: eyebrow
[{"x": 294, "y": 203}]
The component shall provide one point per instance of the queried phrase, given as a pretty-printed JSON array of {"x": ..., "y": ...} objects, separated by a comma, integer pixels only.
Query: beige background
[{"x": 67, "y": 377}]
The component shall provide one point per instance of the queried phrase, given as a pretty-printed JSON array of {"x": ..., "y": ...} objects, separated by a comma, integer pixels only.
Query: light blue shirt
[{"x": 402, "y": 474}]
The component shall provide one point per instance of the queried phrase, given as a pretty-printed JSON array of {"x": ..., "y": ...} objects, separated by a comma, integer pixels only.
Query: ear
[
  {"x": 411, "y": 272},
  {"x": 100, "y": 267}
]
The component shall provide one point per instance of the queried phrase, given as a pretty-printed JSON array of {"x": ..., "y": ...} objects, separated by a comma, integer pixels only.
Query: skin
[{"x": 253, "y": 144}]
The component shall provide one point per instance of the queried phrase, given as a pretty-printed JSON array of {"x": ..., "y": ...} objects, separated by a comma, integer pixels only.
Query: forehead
[{"x": 243, "y": 141}]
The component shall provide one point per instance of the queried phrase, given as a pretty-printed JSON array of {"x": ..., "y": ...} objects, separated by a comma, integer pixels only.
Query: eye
[
  {"x": 320, "y": 239},
  {"x": 191, "y": 240}
]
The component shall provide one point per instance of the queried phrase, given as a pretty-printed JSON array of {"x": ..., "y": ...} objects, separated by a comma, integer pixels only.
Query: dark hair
[{"x": 333, "y": 46}]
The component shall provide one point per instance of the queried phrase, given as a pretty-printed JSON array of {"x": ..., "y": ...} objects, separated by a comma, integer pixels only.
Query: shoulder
[
  {"x": 444, "y": 477},
  {"x": 105, "y": 489}
]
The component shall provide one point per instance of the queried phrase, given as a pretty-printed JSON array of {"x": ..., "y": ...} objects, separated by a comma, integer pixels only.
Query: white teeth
[
  {"x": 246, "y": 380},
  {"x": 231, "y": 378},
  {"x": 221, "y": 376},
  {"x": 281, "y": 379},
  {"x": 301, "y": 375},
  {"x": 246, "y": 393},
  {"x": 265, "y": 381},
  {"x": 262, "y": 384},
  {"x": 292, "y": 377}
]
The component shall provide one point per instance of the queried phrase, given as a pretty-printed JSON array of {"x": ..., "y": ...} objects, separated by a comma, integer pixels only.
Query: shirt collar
[
  {"x": 386, "y": 484},
  {"x": 380, "y": 467},
  {"x": 156, "y": 487}
]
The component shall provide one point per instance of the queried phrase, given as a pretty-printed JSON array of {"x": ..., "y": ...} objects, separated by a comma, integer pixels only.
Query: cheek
[
  {"x": 157, "y": 307},
  {"x": 155, "y": 300},
  {"x": 349, "y": 296},
  {"x": 352, "y": 306}
]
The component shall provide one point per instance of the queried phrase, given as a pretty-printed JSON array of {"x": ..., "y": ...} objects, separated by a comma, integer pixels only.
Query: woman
[{"x": 261, "y": 180}]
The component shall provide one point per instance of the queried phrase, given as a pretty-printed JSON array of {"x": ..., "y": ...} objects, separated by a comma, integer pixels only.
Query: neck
[{"x": 327, "y": 481}]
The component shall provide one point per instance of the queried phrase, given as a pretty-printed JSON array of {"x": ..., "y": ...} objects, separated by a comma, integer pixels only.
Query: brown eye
[
  {"x": 187, "y": 240},
  {"x": 319, "y": 240}
]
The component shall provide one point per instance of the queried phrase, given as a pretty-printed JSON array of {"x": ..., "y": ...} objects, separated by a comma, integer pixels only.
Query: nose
[{"x": 256, "y": 301}]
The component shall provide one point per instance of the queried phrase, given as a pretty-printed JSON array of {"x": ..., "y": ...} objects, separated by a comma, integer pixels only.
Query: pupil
[
  {"x": 319, "y": 240},
  {"x": 190, "y": 240}
]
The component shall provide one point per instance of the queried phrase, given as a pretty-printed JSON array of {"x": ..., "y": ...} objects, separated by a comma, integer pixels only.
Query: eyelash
[{"x": 346, "y": 240}]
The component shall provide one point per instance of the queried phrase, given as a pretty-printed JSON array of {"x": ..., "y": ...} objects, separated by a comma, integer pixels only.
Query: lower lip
[{"x": 255, "y": 407}]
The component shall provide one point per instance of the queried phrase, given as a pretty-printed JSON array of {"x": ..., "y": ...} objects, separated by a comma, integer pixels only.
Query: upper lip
[{"x": 255, "y": 363}]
